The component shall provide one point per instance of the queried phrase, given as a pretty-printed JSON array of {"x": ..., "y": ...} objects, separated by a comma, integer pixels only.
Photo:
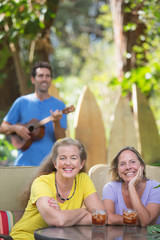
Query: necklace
[{"x": 65, "y": 199}]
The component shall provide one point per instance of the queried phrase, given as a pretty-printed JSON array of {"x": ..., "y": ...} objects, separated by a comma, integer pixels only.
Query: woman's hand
[
  {"x": 138, "y": 178},
  {"x": 53, "y": 203}
]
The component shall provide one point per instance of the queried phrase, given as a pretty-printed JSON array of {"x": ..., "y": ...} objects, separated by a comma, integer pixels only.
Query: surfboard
[
  {"x": 89, "y": 128},
  {"x": 122, "y": 132}
]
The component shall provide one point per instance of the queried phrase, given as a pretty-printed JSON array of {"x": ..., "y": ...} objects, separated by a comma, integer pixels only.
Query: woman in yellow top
[{"x": 58, "y": 191}]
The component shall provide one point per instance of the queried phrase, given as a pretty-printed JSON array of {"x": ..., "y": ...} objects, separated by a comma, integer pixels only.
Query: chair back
[{"x": 12, "y": 182}]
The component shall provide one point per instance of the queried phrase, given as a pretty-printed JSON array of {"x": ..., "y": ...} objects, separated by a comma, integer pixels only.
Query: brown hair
[
  {"x": 40, "y": 64},
  {"x": 47, "y": 166},
  {"x": 114, "y": 163}
]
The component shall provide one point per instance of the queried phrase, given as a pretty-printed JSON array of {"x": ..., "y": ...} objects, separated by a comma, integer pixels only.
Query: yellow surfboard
[
  {"x": 89, "y": 128},
  {"x": 122, "y": 130}
]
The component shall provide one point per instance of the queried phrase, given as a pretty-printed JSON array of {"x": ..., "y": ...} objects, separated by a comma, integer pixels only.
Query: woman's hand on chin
[{"x": 138, "y": 178}]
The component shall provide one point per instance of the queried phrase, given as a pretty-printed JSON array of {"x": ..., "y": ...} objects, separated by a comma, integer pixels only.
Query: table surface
[{"x": 94, "y": 233}]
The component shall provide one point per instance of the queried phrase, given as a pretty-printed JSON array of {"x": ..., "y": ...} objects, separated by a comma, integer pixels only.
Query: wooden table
[{"x": 94, "y": 233}]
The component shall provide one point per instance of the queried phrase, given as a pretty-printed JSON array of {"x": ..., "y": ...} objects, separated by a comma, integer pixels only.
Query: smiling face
[
  {"x": 128, "y": 165},
  {"x": 42, "y": 80},
  {"x": 68, "y": 162}
]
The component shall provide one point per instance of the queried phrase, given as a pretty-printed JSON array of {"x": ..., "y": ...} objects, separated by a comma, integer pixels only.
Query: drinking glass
[
  {"x": 98, "y": 217},
  {"x": 129, "y": 217}
]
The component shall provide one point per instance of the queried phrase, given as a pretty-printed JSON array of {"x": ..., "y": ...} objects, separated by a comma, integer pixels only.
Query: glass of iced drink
[
  {"x": 98, "y": 217},
  {"x": 129, "y": 216}
]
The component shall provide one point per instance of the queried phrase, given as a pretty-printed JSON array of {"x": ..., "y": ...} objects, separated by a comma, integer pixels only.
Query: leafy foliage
[
  {"x": 19, "y": 17},
  {"x": 146, "y": 78},
  {"x": 7, "y": 151},
  {"x": 147, "y": 72}
]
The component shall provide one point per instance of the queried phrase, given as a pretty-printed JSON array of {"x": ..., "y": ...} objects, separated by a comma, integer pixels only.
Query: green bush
[{"x": 7, "y": 151}]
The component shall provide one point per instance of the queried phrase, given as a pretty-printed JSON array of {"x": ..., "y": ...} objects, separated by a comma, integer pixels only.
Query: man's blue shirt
[{"x": 22, "y": 111}]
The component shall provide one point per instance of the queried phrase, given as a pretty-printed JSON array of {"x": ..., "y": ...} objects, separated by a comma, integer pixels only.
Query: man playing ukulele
[{"x": 37, "y": 105}]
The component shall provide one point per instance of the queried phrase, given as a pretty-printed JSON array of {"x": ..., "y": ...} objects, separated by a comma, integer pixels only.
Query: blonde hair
[{"x": 47, "y": 166}]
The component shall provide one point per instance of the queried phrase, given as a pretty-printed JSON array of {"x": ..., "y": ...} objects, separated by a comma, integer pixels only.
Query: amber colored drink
[
  {"x": 129, "y": 217},
  {"x": 98, "y": 217}
]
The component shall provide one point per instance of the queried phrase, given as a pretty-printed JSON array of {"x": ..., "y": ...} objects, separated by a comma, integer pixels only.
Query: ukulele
[{"x": 37, "y": 130}]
